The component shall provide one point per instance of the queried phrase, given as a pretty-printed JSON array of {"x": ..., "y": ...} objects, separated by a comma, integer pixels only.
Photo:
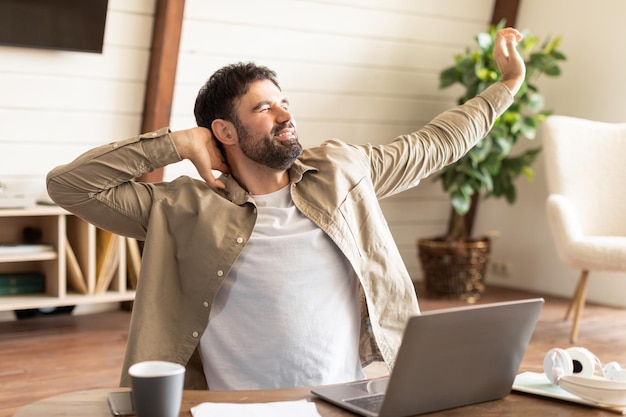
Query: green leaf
[
  {"x": 505, "y": 145},
  {"x": 510, "y": 194},
  {"x": 448, "y": 77},
  {"x": 528, "y": 43},
  {"x": 529, "y": 173},
  {"x": 483, "y": 74},
  {"x": 534, "y": 103},
  {"x": 480, "y": 152},
  {"x": 529, "y": 127},
  {"x": 485, "y": 179},
  {"x": 551, "y": 45},
  {"x": 552, "y": 70},
  {"x": 559, "y": 56},
  {"x": 492, "y": 164},
  {"x": 485, "y": 41},
  {"x": 465, "y": 64},
  {"x": 460, "y": 203}
]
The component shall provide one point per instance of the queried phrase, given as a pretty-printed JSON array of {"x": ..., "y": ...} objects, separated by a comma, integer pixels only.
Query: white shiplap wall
[
  {"x": 363, "y": 71},
  {"x": 57, "y": 104}
]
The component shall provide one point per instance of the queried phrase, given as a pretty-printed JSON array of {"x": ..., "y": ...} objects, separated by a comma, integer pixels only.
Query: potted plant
[{"x": 454, "y": 264}]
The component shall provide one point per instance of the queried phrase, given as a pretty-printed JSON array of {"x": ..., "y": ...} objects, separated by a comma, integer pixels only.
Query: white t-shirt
[{"x": 288, "y": 314}]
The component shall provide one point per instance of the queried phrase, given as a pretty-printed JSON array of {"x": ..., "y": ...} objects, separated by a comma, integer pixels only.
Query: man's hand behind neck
[{"x": 198, "y": 145}]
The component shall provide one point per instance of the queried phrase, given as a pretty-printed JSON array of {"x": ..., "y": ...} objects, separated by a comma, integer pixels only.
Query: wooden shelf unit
[{"x": 59, "y": 228}]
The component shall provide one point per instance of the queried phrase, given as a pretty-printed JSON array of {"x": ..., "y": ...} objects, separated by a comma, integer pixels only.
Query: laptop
[{"x": 448, "y": 358}]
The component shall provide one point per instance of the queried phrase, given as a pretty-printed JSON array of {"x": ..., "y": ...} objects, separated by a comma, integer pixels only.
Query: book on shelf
[
  {"x": 133, "y": 261},
  {"x": 24, "y": 289},
  {"x": 75, "y": 276},
  {"x": 107, "y": 259},
  {"x": 22, "y": 283}
]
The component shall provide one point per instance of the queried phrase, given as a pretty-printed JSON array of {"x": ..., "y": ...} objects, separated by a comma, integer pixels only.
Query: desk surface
[{"x": 92, "y": 403}]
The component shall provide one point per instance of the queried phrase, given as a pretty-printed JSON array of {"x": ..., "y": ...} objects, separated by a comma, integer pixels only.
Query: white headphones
[
  {"x": 581, "y": 362},
  {"x": 573, "y": 370}
]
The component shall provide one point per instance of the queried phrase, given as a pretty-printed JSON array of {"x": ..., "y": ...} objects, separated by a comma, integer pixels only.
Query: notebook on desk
[{"x": 448, "y": 358}]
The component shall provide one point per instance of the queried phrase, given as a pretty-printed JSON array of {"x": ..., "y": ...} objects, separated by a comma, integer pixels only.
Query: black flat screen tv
[{"x": 71, "y": 25}]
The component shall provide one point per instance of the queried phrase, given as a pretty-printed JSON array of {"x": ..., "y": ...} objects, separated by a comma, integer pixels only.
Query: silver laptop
[{"x": 448, "y": 358}]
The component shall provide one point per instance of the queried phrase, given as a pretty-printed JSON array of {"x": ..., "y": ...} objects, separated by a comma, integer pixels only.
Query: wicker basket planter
[{"x": 454, "y": 270}]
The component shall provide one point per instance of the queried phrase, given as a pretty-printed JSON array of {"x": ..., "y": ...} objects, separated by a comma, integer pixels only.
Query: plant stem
[{"x": 461, "y": 226}]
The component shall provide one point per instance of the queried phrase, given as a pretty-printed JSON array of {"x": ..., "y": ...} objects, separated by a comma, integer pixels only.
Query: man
[{"x": 281, "y": 272}]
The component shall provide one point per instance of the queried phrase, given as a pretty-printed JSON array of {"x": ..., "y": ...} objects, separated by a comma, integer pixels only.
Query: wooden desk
[{"x": 92, "y": 403}]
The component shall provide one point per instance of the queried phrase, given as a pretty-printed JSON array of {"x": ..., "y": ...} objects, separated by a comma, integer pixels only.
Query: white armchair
[{"x": 586, "y": 207}]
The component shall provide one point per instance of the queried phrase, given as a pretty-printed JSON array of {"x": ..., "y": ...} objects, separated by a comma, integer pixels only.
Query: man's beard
[{"x": 268, "y": 151}]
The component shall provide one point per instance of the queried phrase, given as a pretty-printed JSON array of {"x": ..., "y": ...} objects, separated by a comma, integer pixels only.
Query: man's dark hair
[{"x": 217, "y": 97}]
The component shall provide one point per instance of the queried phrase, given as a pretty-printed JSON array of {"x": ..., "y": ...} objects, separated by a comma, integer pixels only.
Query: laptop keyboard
[{"x": 372, "y": 402}]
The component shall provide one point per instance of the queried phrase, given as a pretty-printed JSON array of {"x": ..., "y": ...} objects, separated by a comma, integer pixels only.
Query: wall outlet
[{"x": 500, "y": 269}]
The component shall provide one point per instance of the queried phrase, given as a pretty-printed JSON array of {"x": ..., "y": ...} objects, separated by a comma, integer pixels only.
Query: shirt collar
[
  {"x": 235, "y": 192},
  {"x": 298, "y": 169}
]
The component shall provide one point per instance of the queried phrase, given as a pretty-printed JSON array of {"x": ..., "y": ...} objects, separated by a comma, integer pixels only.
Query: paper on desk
[{"x": 300, "y": 408}]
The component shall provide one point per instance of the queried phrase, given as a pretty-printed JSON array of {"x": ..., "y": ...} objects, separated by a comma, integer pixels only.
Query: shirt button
[
  {"x": 220, "y": 273},
  {"x": 239, "y": 240},
  {"x": 194, "y": 334},
  {"x": 206, "y": 304}
]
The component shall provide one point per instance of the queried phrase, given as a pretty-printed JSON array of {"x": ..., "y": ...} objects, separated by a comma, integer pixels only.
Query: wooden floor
[{"x": 45, "y": 356}]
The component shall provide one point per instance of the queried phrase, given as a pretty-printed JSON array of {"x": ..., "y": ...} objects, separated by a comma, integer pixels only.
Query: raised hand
[{"x": 511, "y": 64}]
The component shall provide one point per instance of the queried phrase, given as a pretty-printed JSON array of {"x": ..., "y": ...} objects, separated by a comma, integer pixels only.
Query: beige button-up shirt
[{"x": 193, "y": 234}]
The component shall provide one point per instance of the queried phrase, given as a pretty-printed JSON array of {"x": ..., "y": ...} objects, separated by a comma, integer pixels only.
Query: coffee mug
[{"x": 157, "y": 388}]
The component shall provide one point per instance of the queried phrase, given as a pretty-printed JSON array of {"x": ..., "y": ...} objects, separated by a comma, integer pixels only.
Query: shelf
[
  {"x": 25, "y": 257},
  {"x": 71, "y": 259},
  {"x": 28, "y": 301},
  {"x": 38, "y": 210}
]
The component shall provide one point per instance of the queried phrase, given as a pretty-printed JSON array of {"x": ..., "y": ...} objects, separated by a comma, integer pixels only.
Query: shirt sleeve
[
  {"x": 407, "y": 160},
  {"x": 99, "y": 185}
]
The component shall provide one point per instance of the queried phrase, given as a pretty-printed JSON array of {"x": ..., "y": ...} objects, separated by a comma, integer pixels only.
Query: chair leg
[
  {"x": 573, "y": 300},
  {"x": 577, "y": 304}
]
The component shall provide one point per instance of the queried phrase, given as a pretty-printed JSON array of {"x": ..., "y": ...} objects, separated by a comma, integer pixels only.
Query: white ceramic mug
[{"x": 157, "y": 388}]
